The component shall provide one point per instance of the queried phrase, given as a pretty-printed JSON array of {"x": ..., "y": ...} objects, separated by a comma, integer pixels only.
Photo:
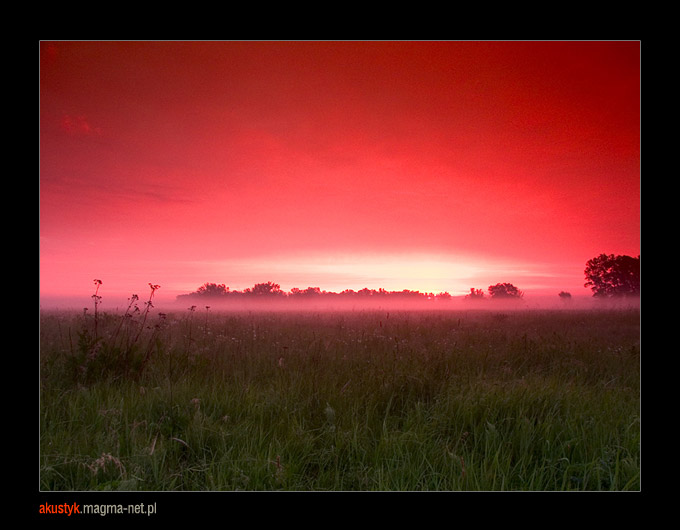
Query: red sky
[{"x": 431, "y": 166}]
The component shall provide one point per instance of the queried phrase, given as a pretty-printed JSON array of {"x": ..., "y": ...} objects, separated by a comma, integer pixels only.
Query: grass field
[{"x": 532, "y": 400}]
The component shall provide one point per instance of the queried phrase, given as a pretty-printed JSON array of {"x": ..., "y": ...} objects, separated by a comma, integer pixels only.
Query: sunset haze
[{"x": 428, "y": 166}]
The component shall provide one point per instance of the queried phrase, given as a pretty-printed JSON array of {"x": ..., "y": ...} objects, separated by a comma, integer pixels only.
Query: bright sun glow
[{"x": 393, "y": 272}]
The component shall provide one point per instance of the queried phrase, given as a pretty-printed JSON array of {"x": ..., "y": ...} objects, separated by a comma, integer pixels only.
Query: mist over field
[{"x": 115, "y": 304}]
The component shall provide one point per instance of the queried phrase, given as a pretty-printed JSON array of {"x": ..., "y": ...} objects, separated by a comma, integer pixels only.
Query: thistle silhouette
[
  {"x": 149, "y": 305},
  {"x": 97, "y": 300}
]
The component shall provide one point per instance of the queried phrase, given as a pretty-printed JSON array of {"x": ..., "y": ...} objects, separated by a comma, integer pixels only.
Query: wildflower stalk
[
  {"x": 153, "y": 340},
  {"x": 191, "y": 312},
  {"x": 132, "y": 299},
  {"x": 149, "y": 305},
  {"x": 96, "y": 299},
  {"x": 205, "y": 328}
]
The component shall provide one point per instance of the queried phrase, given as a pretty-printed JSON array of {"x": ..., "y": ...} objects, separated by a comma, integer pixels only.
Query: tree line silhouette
[
  {"x": 271, "y": 291},
  {"x": 608, "y": 276}
]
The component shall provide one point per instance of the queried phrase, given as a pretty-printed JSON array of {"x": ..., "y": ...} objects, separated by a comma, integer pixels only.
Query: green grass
[{"x": 363, "y": 401}]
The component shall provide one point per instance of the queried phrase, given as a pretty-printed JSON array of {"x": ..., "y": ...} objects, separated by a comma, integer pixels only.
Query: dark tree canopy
[
  {"x": 505, "y": 291},
  {"x": 475, "y": 294},
  {"x": 266, "y": 289},
  {"x": 611, "y": 276},
  {"x": 212, "y": 289},
  {"x": 306, "y": 293}
]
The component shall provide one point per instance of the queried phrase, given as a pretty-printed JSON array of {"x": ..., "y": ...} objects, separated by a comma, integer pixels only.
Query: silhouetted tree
[
  {"x": 266, "y": 289},
  {"x": 212, "y": 289},
  {"x": 475, "y": 294},
  {"x": 611, "y": 276},
  {"x": 307, "y": 293},
  {"x": 505, "y": 291},
  {"x": 565, "y": 296}
]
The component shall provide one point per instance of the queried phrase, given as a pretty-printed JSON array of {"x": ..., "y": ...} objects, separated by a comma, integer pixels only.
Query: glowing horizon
[
  {"x": 426, "y": 274},
  {"x": 427, "y": 166}
]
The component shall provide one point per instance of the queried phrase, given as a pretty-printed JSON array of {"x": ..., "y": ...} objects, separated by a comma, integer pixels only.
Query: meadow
[{"x": 375, "y": 400}]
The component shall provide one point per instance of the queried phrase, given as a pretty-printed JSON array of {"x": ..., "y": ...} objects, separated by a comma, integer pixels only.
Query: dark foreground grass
[{"x": 362, "y": 401}]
